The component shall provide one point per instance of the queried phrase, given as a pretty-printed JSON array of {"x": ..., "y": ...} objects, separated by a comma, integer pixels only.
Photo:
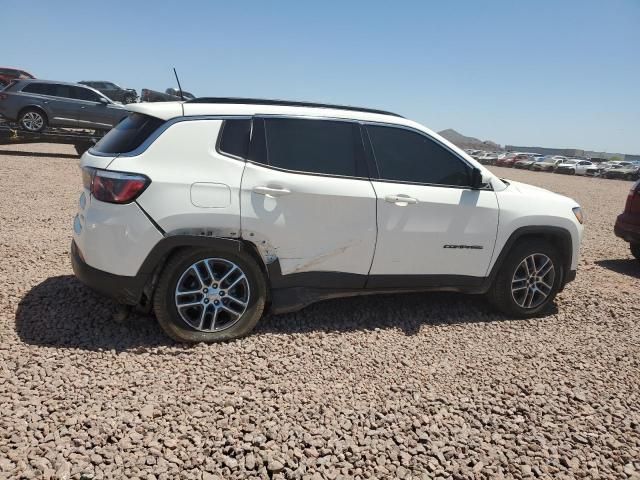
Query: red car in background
[
  {"x": 8, "y": 74},
  {"x": 628, "y": 222},
  {"x": 511, "y": 158}
]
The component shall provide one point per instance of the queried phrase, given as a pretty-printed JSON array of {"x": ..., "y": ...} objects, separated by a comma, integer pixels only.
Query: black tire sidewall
[
  {"x": 167, "y": 313},
  {"x": 501, "y": 291}
]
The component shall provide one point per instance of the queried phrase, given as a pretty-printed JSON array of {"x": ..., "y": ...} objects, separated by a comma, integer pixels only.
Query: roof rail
[{"x": 286, "y": 103}]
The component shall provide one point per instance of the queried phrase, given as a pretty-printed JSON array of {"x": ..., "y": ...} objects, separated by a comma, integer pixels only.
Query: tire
[
  {"x": 635, "y": 250},
  {"x": 179, "y": 274},
  {"x": 501, "y": 295},
  {"x": 32, "y": 120},
  {"x": 129, "y": 99}
]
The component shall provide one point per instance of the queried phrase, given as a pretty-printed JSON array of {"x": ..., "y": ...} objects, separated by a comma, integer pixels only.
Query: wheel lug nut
[
  {"x": 221, "y": 294},
  {"x": 205, "y": 290},
  {"x": 216, "y": 302},
  {"x": 206, "y": 300},
  {"x": 215, "y": 285}
]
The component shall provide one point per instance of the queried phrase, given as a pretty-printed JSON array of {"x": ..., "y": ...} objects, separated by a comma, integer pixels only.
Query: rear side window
[
  {"x": 129, "y": 134},
  {"x": 40, "y": 88},
  {"x": 314, "y": 146},
  {"x": 234, "y": 138},
  {"x": 406, "y": 156}
]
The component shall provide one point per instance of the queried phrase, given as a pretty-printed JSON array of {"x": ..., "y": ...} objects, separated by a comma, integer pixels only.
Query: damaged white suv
[{"x": 213, "y": 211}]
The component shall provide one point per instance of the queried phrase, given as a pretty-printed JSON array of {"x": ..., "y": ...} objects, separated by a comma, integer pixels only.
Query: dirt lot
[{"x": 411, "y": 386}]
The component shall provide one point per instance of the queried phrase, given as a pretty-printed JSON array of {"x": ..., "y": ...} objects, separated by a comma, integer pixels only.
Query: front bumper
[
  {"x": 627, "y": 229},
  {"x": 123, "y": 289}
]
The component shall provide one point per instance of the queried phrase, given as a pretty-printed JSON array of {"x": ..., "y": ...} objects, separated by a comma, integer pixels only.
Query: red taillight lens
[
  {"x": 116, "y": 187},
  {"x": 3, "y": 96}
]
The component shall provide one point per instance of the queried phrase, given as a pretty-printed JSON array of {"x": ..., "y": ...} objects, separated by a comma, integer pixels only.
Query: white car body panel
[
  {"x": 323, "y": 224},
  {"x": 430, "y": 236},
  {"x": 179, "y": 162},
  {"x": 113, "y": 238}
]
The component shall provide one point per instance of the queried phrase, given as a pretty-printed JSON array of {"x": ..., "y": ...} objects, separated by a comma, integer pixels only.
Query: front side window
[
  {"x": 85, "y": 94},
  {"x": 314, "y": 146},
  {"x": 406, "y": 156},
  {"x": 234, "y": 138}
]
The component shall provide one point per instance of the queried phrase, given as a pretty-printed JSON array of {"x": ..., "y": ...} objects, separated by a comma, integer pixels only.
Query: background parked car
[
  {"x": 511, "y": 159},
  {"x": 113, "y": 91},
  {"x": 526, "y": 163},
  {"x": 8, "y": 74},
  {"x": 573, "y": 166},
  {"x": 487, "y": 158},
  {"x": 170, "y": 95},
  {"x": 36, "y": 104},
  {"x": 626, "y": 172},
  {"x": 628, "y": 223},
  {"x": 548, "y": 163}
]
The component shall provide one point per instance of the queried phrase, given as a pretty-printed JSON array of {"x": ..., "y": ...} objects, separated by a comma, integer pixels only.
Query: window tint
[
  {"x": 408, "y": 156},
  {"x": 85, "y": 94},
  {"x": 40, "y": 88},
  {"x": 62, "y": 91},
  {"x": 128, "y": 134},
  {"x": 315, "y": 146},
  {"x": 234, "y": 138}
]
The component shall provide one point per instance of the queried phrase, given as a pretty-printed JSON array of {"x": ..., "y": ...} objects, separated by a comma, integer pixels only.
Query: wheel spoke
[
  {"x": 190, "y": 304},
  {"x": 202, "y": 315},
  {"x": 226, "y": 308},
  {"x": 195, "y": 269},
  {"x": 236, "y": 281},
  {"x": 215, "y": 316},
  {"x": 190, "y": 292},
  {"x": 237, "y": 300},
  {"x": 206, "y": 264},
  {"x": 226, "y": 275},
  {"x": 544, "y": 270}
]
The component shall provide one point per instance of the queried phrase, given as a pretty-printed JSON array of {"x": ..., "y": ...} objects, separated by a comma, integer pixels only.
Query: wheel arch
[
  {"x": 558, "y": 236},
  {"x": 33, "y": 107},
  {"x": 154, "y": 264}
]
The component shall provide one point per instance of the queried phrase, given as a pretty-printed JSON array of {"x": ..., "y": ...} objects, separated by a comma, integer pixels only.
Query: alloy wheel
[
  {"x": 532, "y": 282},
  {"x": 32, "y": 121},
  {"x": 212, "y": 294}
]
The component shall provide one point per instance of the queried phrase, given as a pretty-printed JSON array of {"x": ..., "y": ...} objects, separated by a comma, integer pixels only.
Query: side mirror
[
  {"x": 103, "y": 101},
  {"x": 478, "y": 180}
]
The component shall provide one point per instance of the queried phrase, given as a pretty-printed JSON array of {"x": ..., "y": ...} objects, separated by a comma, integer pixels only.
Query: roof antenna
[{"x": 178, "y": 80}]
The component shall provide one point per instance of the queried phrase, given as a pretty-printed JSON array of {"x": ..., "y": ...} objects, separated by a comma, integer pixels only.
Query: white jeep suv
[{"x": 213, "y": 211}]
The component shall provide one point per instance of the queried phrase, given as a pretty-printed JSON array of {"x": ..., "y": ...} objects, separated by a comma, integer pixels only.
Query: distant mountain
[{"x": 463, "y": 141}]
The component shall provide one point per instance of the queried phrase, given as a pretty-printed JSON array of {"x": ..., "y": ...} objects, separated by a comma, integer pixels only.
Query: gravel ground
[{"x": 411, "y": 386}]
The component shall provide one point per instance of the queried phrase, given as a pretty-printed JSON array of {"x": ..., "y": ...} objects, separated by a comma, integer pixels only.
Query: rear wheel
[
  {"x": 209, "y": 296},
  {"x": 32, "y": 120},
  {"x": 528, "y": 280},
  {"x": 635, "y": 250}
]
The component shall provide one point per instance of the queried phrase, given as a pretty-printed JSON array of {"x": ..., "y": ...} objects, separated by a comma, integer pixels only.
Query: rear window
[{"x": 129, "y": 134}]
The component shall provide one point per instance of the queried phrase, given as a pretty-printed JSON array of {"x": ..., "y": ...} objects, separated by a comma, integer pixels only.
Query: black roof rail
[{"x": 286, "y": 103}]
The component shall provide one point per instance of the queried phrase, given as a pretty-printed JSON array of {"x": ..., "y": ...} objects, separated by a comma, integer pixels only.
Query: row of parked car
[
  {"x": 37, "y": 104},
  {"x": 627, "y": 170}
]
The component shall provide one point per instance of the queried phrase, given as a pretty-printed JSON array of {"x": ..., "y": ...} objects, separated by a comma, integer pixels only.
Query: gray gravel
[{"x": 411, "y": 386}]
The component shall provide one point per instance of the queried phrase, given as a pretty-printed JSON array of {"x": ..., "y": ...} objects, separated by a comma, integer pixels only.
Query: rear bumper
[
  {"x": 627, "y": 228},
  {"x": 123, "y": 289}
]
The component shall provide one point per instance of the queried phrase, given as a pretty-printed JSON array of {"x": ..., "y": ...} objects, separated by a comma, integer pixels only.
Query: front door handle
[
  {"x": 271, "y": 191},
  {"x": 401, "y": 200}
]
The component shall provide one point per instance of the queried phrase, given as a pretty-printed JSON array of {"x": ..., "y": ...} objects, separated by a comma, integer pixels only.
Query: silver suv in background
[{"x": 37, "y": 104}]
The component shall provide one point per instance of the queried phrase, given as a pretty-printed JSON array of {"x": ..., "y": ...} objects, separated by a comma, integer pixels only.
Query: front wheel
[
  {"x": 209, "y": 296},
  {"x": 528, "y": 280}
]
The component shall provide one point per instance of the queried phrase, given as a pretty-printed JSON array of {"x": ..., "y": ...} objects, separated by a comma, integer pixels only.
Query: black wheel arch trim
[{"x": 559, "y": 233}]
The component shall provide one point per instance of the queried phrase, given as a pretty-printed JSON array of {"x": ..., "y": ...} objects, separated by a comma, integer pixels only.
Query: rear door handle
[
  {"x": 271, "y": 191},
  {"x": 401, "y": 200}
]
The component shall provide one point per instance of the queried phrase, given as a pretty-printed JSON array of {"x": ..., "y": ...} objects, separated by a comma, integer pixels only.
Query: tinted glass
[
  {"x": 408, "y": 156},
  {"x": 85, "y": 94},
  {"x": 315, "y": 146},
  {"x": 234, "y": 138},
  {"x": 128, "y": 134},
  {"x": 62, "y": 91}
]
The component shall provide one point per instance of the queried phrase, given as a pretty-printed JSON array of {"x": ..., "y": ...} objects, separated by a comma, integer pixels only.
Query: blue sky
[{"x": 550, "y": 73}]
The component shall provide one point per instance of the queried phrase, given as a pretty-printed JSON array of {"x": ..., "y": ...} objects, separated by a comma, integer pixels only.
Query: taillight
[
  {"x": 3, "y": 96},
  {"x": 114, "y": 187}
]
